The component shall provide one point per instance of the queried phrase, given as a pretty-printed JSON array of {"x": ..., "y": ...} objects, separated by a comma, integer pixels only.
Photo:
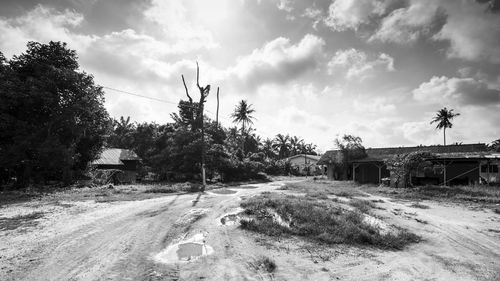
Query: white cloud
[
  {"x": 357, "y": 64},
  {"x": 406, "y": 25},
  {"x": 473, "y": 32},
  {"x": 315, "y": 14},
  {"x": 377, "y": 105},
  {"x": 351, "y": 14},
  {"x": 42, "y": 24},
  {"x": 279, "y": 61},
  {"x": 463, "y": 91},
  {"x": 419, "y": 132},
  {"x": 178, "y": 28},
  {"x": 285, "y": 5}
]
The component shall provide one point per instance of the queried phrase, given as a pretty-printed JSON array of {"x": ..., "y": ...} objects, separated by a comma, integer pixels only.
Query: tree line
[{"x": 53, "y": 124}]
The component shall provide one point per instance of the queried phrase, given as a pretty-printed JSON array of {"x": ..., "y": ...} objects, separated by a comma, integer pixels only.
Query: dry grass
[
  {"x": 364, "y": 206},
  {"x": 264, "y": 263},
  {"x": 324, "y": 187},
  {"x": 20, "y": 221},
  {"x": 479, "y": 194},
  {"x": 316, "y": 219}
]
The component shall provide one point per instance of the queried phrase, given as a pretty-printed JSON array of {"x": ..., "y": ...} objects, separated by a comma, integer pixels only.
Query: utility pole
[{"x": 217, "y": 114}]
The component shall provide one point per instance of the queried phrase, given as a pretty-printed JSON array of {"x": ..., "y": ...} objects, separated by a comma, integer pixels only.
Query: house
[
  {"x": 123, "y": 160},
  {"x": 450, "y": 164},
  {"x": 306, "y": 164}
]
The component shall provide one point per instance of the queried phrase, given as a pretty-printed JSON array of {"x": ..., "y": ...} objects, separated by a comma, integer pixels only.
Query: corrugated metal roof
[
  {"x": 380, "y": 154},
  {"x": 309, "y": 156},
  {"x": 115, "y": 156}
]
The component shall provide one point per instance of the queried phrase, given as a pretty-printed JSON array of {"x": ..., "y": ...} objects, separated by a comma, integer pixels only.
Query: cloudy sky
[{"x": 378, "y": 69}]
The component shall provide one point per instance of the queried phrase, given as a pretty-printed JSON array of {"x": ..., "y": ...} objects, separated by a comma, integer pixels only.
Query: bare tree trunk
[
  {"x": 444, "y": 135},
  {"x": 198, "y": 119}
]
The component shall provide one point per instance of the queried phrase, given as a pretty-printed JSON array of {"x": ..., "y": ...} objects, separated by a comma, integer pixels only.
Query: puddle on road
[
  {"x": 185, "y": 251},
  {"x": 223, "y": 191},
  {"x": 231, "y": 218},
  {"x": 245, "y": 187}
]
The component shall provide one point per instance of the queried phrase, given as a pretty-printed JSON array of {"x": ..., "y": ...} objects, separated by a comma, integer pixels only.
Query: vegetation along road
[{"x": 193, "y": 236}]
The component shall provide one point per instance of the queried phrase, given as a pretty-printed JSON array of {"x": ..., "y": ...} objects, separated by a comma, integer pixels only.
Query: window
[{"x": 493, "y": 168}]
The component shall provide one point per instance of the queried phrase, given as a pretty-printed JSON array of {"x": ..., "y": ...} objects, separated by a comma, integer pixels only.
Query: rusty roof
[
  {"x": 380, "y": 154},
  {"x": 116, "y": 156}
]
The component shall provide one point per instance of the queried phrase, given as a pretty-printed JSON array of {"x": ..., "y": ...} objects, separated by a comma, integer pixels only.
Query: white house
[{"x": 306, "y": 164}]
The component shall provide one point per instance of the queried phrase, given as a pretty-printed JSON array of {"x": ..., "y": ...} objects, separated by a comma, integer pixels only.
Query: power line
[
  {"x": 152, "y": 98},
  {"x": 137, "y": 95},
  {"x": 169, "y": 102}
]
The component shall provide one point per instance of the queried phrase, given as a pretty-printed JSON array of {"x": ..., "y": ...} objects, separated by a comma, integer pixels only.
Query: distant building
[
  {"x": 306, "y": 164},
  {"x": 453, "y": 164},
  {"x": 123, "y": 160}
]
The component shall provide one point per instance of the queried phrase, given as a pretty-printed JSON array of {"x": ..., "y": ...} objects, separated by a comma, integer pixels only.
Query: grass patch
[
  {"x": 479, "y": 194},
  {"x": 337, "y": 188},
  {"x": 420, "y": 206},
  {"x": 319, "y": 220},
  {"x": 20, "y": 221},
  {"x": 364, "y": 206},
  {"x": 265, "y": 264},
  {"x": 160, "y": 189}
]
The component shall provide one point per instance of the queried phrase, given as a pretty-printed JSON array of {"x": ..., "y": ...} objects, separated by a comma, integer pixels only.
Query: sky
[{"x": 317, "y": 69}]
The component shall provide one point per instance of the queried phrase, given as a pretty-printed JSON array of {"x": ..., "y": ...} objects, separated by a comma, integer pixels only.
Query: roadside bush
[
  {"x": 233, "y": 170},
  {"x": 274, "y": 167}
]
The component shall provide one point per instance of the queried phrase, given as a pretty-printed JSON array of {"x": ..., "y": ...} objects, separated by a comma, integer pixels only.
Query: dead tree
[{"x": 198, "y": 119}]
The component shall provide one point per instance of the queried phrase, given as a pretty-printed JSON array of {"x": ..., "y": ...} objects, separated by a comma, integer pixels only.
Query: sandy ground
[{"x": 124, "y": 240}]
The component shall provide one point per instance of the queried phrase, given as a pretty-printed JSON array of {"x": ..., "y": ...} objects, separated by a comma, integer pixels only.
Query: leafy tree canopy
[{"x": 52, "y": 116}]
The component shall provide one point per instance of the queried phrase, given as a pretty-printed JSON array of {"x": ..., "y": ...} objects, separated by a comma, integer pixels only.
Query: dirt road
[{"x": 123, "y": 240}]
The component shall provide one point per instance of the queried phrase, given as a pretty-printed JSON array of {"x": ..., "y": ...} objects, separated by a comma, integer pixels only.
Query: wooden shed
[{"x": 123, "y": 160}]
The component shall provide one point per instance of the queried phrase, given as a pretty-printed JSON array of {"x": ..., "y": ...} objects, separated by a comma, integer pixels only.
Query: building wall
[
  {"x": 493, "y": 175},
  {"x": 369, "y": 173},
  {"x": 301, "y": 163}
]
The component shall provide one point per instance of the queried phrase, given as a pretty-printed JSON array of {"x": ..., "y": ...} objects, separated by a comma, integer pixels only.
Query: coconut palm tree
[
  {"x": 443, "y": 119},
  {"x": 295, "y": 145},
  {"x": 282, "y": 145},
  {"x": 243, "y": 114},
  {"x": 267, "y": 148}
]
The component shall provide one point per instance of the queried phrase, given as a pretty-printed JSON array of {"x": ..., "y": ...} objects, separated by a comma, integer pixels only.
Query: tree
[
  {"x": 495, "y": 145},
  {"x": 267, "y": 148},
  {"x": 402, "y": 166},
  {"x": 242, "y": 114},
  {"x": 443, "y": 119},
  {"x": 296, "y": 144},
  {"x": 53, "y": 117},
  {"x": 121, "y": 135},
  {"x": 282, "y": 145},
  {"x": 199, "y": 117},
  {"x": 351, "y": 148}
]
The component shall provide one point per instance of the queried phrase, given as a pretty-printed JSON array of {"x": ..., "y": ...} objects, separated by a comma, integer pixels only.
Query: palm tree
[
  {"x": 295, "y": 145},
  {"x": 443, "y": 119},
  {"x": 243, "y": 114},
  {"x": 267, "y": 148},
  {"x": 282, "y": 145}
]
